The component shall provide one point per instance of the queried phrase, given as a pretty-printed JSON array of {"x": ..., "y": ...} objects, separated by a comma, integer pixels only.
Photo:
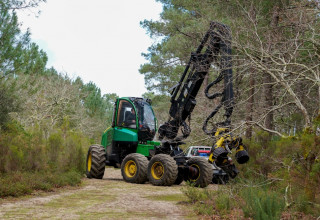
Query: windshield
[
  {"x": 148, "y": 117},
  {"x": 147, "y": 121}
]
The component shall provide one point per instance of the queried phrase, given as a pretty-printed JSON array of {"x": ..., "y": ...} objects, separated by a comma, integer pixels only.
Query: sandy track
[{"x": 110, "y": 198}]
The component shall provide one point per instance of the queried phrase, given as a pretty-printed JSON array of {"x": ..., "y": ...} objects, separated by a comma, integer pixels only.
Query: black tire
[
  {"x": 162, "y": 170},
  {"x": 204, "y": 172},
  {"x": 96, "y": 162},
  {"x": 134, "y": 168}
]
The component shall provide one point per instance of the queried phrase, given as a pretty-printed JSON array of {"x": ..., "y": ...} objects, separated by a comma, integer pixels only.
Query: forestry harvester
[{"x": 129, "y": 144}]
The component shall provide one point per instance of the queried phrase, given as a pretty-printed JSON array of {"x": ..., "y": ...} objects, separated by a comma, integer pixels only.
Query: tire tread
[
  {"x": 171, "y": 170},
  {"x": 142, "y": 165},
  {"x": 98, "y": 158},
  {"x": 206, "y": 171}
]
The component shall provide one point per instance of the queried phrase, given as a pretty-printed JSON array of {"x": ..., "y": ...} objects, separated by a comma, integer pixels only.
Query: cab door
[{"x": 125, "y": 129}]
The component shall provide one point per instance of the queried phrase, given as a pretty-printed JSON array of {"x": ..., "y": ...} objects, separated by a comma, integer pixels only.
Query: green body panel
[
  {"x": 107, "y": 137},
  {"x": 154, "y": 143},
  {"x": 125, "y": 134},
  {"x": 119, "y": 134},
  {"x": 144, "y": 148}
]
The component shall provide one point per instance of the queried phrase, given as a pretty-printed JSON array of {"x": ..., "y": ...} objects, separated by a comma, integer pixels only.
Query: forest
[{"x": 48, "y": 120}]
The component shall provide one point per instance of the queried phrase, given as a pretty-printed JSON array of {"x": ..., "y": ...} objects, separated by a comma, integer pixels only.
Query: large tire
[
  {"x": 162, "y": 170},
  {"x": 204, "y": 172},
  {"x": 96, "y": 162},
  {"x": 134, "y": 168}
]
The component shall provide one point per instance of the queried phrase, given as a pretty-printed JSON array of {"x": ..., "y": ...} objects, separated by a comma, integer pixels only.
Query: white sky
[{"x": 99, "y": 40}]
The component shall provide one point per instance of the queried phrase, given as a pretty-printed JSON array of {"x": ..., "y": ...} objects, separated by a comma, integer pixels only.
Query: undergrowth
[
  {"x": 21, "y": 183},
  {"x": 281, "y": 179},
  {"x": 261, "y": 203},
  {"x": 208, "y": 202},
  {"x": 33, "y": 160}
]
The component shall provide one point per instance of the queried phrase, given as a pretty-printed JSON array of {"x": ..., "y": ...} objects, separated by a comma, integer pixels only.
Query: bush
[
  {"x": 223, "y": 202},
  {"x": 290, "y": 167},
  {"x": 262, "y": 204},
  {"x": 208, "y": 202},
  {"x": 295, "y": 160},
  {"x": 22, "y": 183},
  {"x": 31, "y": 162},
  {"x": 195, "y": 194}
]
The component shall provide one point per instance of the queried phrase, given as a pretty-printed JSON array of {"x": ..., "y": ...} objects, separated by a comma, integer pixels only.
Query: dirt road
[{"x": 110, "y": 198}]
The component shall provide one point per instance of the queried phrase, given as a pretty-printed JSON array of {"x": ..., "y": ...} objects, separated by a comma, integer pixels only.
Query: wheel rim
[
  {"x": 130, "y": 169},
  {"x": 194, "y": 172},
  {"x": 89, "y": 162},
  {"x": 157, "y": 170}
]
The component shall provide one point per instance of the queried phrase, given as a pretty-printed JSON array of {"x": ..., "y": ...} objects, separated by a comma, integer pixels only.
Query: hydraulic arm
[
  {"x": 183, "y": 100},
  {"x": 214, "y": 50}
]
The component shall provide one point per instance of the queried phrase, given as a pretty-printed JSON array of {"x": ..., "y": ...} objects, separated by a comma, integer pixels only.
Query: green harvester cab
[
  {"x": 134, "y": 126},
  {"x": 133, "y": 129}
]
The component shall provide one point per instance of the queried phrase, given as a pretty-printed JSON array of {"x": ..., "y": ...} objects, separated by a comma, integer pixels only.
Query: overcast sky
[{"x": 99, "y": 40}]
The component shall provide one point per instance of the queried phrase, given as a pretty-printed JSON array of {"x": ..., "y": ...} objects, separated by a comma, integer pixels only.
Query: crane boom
[{"x": 215, "y": 48}]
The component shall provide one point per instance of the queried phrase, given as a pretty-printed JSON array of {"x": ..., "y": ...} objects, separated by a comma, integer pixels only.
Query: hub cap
[
  {"x": 157, "y": 170},
  {"x": 130, "y": 168},
  {"x": 89, "y": 162}
]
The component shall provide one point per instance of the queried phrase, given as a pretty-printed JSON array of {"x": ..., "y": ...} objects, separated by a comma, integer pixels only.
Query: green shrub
[
  {"x": 195, "y": 194},
  {"x": 29, "y": 161},
  {"x": 223, "y": 201},
  {"x": 302, "y": 204},
  {"x": 54, "y": 148},
  {"x": 199, "y": 198},
  {"x": 262, "y": 204},
  {"x": 208, "y": 202},
  {"x": 74, "y": 152},
  {"x": 204, "y": 208},
  {"x": 21, "y": 183}
]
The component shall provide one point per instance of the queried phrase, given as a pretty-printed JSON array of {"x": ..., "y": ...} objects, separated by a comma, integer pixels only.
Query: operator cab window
[{"x": 126, "y": 115}]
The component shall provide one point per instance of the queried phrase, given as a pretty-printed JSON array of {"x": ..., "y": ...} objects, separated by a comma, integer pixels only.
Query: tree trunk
[
  {"x": 268, "y": 92},
  {"x": 249, "y": 111},
  {"x": 267, "y": 78}
]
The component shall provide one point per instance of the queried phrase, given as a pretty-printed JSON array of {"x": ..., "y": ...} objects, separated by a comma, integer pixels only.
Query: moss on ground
[
  {"x": 169, "y": 197},
  {"x": 84, "y": 199}
]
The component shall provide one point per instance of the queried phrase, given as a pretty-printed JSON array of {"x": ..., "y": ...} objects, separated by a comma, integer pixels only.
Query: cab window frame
[{"x": 123, "y": 107}]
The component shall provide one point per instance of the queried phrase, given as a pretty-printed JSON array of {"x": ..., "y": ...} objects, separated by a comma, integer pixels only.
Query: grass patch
[
  {"x": 262, "y": 204},
  {"x": 22, "y": 213},
  {"x": 22, "y": 183},
  {"x": 81, "y": 199},
  {"x": 114, "y": 215},
  {"x": 195, "y": 194},
  {"x": 169, "y": 197},
  {"x": 207, "y": 202},
  {"x": 199, "y": 199}
]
